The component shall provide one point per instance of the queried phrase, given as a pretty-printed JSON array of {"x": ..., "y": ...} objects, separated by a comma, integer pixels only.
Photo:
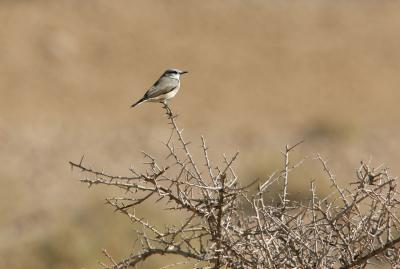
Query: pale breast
[{"x": 172, "y": 93}]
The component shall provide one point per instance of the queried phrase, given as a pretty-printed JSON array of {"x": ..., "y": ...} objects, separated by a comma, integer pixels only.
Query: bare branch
[{"x": 224, "y": 224}]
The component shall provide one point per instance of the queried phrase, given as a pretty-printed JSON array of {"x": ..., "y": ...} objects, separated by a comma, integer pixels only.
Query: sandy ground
[{"x": 262, "y": 74}]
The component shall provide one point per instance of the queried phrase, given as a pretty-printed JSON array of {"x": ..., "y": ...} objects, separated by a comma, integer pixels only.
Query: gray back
[{"x": 162, "y": 86}]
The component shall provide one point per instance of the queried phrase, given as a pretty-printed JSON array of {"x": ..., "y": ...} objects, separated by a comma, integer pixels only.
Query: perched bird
[{"x": 164, "y": 88}]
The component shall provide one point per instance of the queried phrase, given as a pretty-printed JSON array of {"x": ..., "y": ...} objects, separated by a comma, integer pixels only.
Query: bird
[{"x": 166, "y": 87}]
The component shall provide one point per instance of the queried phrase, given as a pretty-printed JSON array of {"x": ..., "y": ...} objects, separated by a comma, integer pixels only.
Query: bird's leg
[{"x": 166, "y": 107}]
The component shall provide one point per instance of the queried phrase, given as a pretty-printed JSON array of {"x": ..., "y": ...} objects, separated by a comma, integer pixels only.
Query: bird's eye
[{"x": 172, "y": 72}]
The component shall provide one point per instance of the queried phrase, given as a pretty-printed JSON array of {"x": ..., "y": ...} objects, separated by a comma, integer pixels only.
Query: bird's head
[{"x": 174, "y": 73}]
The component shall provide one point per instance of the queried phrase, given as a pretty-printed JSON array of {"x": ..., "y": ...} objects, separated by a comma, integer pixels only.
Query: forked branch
[{"x": 225, "y": 224}]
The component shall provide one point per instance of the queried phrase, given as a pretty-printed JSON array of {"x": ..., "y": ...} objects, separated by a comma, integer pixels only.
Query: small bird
[{"x": 166, "y": 87}]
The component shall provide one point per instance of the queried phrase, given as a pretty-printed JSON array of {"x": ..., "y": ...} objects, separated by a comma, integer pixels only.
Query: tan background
[{"x": 262, "y": 74}]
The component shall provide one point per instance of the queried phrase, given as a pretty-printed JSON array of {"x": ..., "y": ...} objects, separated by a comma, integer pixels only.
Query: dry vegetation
[
  {"x": 224, "y": 224},
  {"x": 262, "y": 74}
]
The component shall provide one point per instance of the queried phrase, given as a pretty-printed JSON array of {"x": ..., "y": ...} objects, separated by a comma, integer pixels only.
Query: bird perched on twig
[{"x": 164, "y": 88}]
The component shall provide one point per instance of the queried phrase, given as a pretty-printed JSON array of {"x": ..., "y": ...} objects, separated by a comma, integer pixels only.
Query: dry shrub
[{"x": 225, "y": 224}]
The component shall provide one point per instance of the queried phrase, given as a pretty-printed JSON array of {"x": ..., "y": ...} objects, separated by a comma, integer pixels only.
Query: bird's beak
[{"x": 184, "y": 72}]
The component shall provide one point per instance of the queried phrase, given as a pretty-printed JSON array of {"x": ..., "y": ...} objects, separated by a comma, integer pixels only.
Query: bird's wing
[{"x": 162, "y": 86}]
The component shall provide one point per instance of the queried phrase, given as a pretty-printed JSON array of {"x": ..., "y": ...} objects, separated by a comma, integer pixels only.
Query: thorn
[
  {"x": 295, "y": 145},
  {"x": 72, "y": 166},
  {"x": 83, "y": 157}
]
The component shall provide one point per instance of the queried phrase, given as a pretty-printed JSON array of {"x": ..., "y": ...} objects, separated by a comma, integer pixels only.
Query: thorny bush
[{"x": 224, "y": 224}]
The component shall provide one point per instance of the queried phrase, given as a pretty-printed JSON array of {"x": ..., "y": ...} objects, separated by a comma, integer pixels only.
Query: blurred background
[{"x": 262, "y": 74}]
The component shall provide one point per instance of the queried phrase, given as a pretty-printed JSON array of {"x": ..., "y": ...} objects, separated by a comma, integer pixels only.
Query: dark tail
[{"x": 139, "y": 102}]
